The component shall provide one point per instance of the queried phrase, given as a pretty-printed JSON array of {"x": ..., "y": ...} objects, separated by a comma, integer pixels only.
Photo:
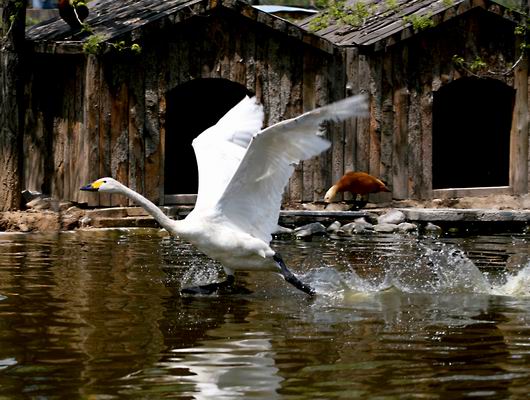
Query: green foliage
[
  {"x": 320, "y": 22},
  {"x": 448, "y": 3},
  {"x": 520, "y": 30},
  {"x": 391, "y": 5},
  {"x": 458, "y": 60},
  {"x": 340, "y": 13},
  {"x": 136, "y": 48},
  {"x": 77, "y": 3},
  {"x": 477, "y": 64},
  {"x": 18, "y": 6},
  {"x": 86, "y": 28},
  {"x": 121, "y": 47},
  {"x": 419, "y": 22},
  {"x": 477, "y": 67},
  {"x": 93, "y": 44}
]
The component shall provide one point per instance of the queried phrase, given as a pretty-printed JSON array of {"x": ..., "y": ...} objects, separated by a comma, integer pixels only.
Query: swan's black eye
[{"x": 104, "y": 181}]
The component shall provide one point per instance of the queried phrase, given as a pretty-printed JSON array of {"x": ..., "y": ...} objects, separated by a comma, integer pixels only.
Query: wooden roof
[
  {"x": 389, "y": 25},
  {"x": 116, "y": 20}
]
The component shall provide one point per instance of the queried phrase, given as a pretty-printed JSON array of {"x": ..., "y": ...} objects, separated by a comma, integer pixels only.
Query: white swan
[{"x": 242, "y": 175}]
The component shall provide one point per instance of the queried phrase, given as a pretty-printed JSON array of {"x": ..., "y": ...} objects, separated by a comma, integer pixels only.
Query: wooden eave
[
  {"x": 114, "y": 23},
  {"x": 387, "y": 28}
]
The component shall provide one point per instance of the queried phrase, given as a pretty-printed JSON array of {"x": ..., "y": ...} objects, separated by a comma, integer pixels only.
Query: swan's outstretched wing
[
  {"x": 252, "y": 199},
  {"x": 220, "y": 148}
]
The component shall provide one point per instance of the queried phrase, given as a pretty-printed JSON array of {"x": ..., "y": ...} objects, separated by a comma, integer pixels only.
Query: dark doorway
[
  {"x": 471, "y": 134},
  {"x": 191, "y": 108}
]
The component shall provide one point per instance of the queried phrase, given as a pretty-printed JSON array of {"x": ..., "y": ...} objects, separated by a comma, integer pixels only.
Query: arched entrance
[
  {"x": 191, "y": 108},
  {"x": 471, "y": 134}
]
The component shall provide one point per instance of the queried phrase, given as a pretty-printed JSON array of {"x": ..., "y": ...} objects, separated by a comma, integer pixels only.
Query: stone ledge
[
  {"x": 465, "y": 215},
  {"x": 476, "y": 218}
]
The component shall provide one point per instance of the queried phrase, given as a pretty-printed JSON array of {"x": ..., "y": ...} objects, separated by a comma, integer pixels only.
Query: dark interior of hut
[
  {"x": 192, "y": 108},
  {"x": 471, "y": 134}
]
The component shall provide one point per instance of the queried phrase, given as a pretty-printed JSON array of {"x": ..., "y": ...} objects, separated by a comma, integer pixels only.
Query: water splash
[
  {"x": 517, "y": 285},
  {"x": 432, "y": 269}
]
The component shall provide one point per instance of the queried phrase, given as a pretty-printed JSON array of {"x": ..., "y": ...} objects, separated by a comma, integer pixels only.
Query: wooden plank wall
[
  {"x": 108, "y": 112},
  {"x": 396, "y": 142}
]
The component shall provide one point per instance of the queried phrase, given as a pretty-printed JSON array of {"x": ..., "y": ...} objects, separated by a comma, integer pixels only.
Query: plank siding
[
  {"x": 105, "y": 101},
  {"x": 308, "y": 103},
  {"x": 152, "y": 130},
  {"x": 136, "y": 121},
  {"x": 108, "y": 113},
  {"x": 91, "y": 131},
  {"x": 350, "y": 131}
]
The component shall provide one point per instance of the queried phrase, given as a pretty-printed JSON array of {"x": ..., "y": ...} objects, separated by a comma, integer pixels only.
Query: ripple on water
[{"x": 98, "y": 314}]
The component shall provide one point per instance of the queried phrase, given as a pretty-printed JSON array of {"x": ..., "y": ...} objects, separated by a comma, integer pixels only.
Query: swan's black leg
[
  {"x": 291, "y": 278},
  {"x": 227, "y": 286}
]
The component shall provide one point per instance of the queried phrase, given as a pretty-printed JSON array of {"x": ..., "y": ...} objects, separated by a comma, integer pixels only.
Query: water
[{"x": 98, "y": 315}]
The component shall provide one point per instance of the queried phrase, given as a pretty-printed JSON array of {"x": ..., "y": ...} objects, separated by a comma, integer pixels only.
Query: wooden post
[
  {"x": 519, "y": 133},
  {"x": 400, "y": 145},
  {"x": 11, "y": 102}
]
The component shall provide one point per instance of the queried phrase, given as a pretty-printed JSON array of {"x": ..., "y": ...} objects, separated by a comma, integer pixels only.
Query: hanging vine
[{"x": 480, "y": 68}]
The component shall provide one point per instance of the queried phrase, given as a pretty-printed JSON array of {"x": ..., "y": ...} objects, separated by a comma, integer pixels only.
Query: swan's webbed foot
[
  {"x": 291, "y": 278},
  {"x": 226, "y": 287}
]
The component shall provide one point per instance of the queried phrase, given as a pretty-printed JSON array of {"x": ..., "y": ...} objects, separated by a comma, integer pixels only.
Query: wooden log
[
  {"x": 337, "y": 88},
  {"x": 12, "y": 44},
  {"x": 119, "y": 140},
  {"x": 374, "y": 162},
  {"x": 69, "y": 133},
  {"x": 104, "y": 129},
  {"x": 262, "y": 85},
  {"x": 91, "y": 131},
  {"x": 519, "y": 145},
  {"x": 352, "y": 67},
  {"x": 79, "y": 163},
  {"x": 322, "y": 163},
  {"x": 414, "y": 147},
  {"x": 162, "y": 118},
  {"x": 136, "y": 102},
  {"x": 426, "y": 142},
  {"x": 294, "y": 108},
  {"x": 308, "y": 103},
  {"x": 152, "y": 130},
  {"x": 34, "y": 149},
  {"x": 387, "y": 126},
  {"x": 400, "y": 145},
  {"x": 249, "y": 58},
  {"x": 363, "y": 125}
]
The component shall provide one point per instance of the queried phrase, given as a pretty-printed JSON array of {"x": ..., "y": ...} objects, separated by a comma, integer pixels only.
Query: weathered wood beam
[
  {"x": 11, "y": 102},
  {"x": 519, "y": 133}
]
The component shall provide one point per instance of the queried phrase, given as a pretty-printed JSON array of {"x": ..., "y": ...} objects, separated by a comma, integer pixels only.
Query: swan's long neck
[{"x": 164, "y": 221}]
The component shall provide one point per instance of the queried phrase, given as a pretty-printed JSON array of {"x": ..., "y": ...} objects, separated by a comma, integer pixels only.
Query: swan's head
[{"x": 104, "y": 185}]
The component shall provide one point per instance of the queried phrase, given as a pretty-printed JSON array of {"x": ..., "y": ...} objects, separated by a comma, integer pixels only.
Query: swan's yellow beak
[{"x": 92, "y": 187}]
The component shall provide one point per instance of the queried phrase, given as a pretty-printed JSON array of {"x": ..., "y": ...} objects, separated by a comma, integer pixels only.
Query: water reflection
[{"x": 97, "y": 314}]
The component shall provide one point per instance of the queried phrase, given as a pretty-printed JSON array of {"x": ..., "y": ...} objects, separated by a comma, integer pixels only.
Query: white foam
[
  {"x": 517, "y": 285},
  {"x": 443, "y": 269}
]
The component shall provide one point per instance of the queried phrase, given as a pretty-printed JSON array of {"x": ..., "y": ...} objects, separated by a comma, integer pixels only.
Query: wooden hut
[
  {"x": 448, "y": 91},
  {"x": 125, "y": 97},
  {"x": 449, "y": 94}
]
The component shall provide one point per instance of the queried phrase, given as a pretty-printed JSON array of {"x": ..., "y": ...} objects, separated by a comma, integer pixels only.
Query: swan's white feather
[
  {"x": 220, "y": 148},
  {"x": 252, "y": 199},
  {"x": 243, "y": 172}
]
